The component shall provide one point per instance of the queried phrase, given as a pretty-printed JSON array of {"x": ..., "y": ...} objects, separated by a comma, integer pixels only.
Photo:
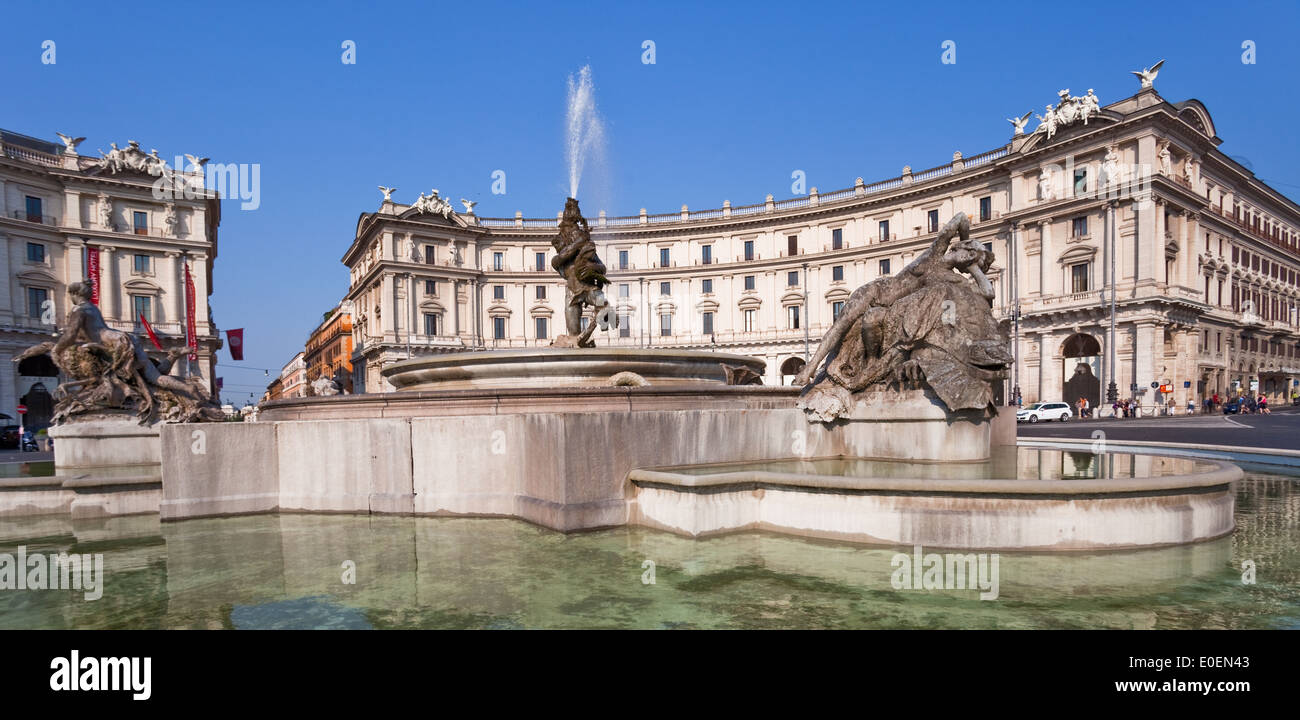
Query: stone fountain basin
[
  {"x": 553, "y": 368},
  {"x": 942, "y": 512}
]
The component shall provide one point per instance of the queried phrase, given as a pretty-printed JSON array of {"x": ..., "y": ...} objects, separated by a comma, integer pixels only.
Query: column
[
  {"x": 1044, "y": 237},
  {"x": 71, "y": 209},
  {"x": 173, "y": 284},
  {"x": 74, "y": 259},
  {"x": 455, "y": 306},
  {"x": 1149, "y": 343},
  {"x": 1192, "y": 229},
  {"x": 199, "y": 271},
  {"x": 6, "y": 287},
  {"x": 8, "y": 383},
  {"x": 388, "y": 320}
]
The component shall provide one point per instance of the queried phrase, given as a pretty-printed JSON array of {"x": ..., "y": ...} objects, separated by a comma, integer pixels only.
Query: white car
[{"x": 1044, "y": 411}]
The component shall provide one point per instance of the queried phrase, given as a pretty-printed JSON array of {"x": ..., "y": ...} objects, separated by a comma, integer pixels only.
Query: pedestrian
[
  {"x": 1191, "y": 406},
  {"x": 1263, "y": 405}
]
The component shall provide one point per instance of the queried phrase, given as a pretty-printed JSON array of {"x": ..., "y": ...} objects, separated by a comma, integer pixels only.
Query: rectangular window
[
  {"x": 884, "y": 231},
  {"x": 708, "y": 323},
  {"x": 986, "y": 208},
  {"x": 884, "y": 266},
  {"x": 36, "y": 298},
  {"x": 429, "y": 255},
  {"x": 623, "y": 290},
  {"x": 541, "y": 292},
  {"x": 431, "y": 323},
  {"x": 622, "y": 260},
  {"x": 1079, "y": 227},
  {"x": 141, "y": 263},
  {"x": 498, "y": 292},
  {"x": 141, "y": 306},
  {"x": 792, "y": 245},
  {"x": 540, "y": 326},
  {"x": 664, "y": 257},
  {"x": 749, "y": 282},
  {"x": 1080, "y": 181},
  {"x": 541, "y": 260},
  {"x": 624, "y": 326},
  {"x": 666, "y": 324},
  {"x": 837, "y": 273},
  {"x": 706, "y": 286},
  {"x": 792, "y": 278},
  {"x": 932, "y": 221},
  {"x": 837, "y": 239},
  {"x": 34, "y": 209},
  {"x": 498, "y": 261},
  {"x": 431, "y": 287},
  {"x": 749, "y": 249},
  {"x": 749, "y": 320},
  {"x": 499, "y": 328},
  {"x": 1079, "y": 278},
  {"x": 140, "y": 221},
  {"x": 837, "y": 307},
  {"x": 792, "y": 317},
  {"x": 35, "y": 253},
  {"x": 706, "y": 254},
  {"x": 665, "y": 288}
]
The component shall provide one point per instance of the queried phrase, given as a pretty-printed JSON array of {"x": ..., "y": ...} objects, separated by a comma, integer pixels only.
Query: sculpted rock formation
[
  {"x": 929, "y": 326},
  {"x": 109, "y": 373}
]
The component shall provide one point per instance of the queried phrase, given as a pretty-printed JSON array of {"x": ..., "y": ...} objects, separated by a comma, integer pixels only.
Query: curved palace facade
[{"x": 1205, "y": 259}]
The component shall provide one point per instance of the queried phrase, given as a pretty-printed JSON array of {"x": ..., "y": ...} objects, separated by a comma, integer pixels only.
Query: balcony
[{"x": 38, "y": 219}]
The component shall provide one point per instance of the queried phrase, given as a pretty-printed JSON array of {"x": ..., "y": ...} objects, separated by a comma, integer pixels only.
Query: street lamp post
[
  {"x": 1014, "y": 262},
  {"x": 1112, "y": 390}
]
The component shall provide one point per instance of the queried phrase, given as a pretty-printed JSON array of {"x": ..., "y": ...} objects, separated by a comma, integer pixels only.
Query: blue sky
[{"x": 740, "y": 96}]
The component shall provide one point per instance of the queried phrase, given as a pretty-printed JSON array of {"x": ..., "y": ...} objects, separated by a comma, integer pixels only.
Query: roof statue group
[
  {"x": 131, "y": 158},
  {"x": 1072, "y": 109},
  {"x": 432, "y": 204}
]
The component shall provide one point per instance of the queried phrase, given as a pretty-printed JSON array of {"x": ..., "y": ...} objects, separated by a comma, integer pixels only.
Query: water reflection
[{"x": 287, "y": 571}]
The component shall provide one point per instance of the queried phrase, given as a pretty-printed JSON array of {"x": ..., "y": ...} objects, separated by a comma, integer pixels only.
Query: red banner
[
  {"x": 191, "y": 337},
  {"x": 92, "y": 273},
  {"x": 149, "y": 329},
  {"x": 235, "y": 338}
]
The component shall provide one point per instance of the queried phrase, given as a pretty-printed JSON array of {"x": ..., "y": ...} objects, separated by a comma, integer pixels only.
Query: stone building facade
[
  {"x": 56, "y": 207},
  {"x": 1202, "y": 296}
]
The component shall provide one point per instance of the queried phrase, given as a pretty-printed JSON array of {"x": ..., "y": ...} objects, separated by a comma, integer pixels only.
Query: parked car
[
  {"x": 1044, "y": 411},
  {"x": 1233, "y": 406},
  {"x": 9, "y": 437}
]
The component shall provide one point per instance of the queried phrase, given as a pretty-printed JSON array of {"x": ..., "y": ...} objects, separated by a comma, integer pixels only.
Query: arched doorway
[
  {"x": 791, "y": 367},
  {"x": 40, "y": 407},
  {"x": 1081, "y": 369}
]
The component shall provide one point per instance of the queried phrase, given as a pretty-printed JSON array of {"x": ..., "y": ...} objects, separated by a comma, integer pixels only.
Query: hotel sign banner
[
  {"x": 92, "y": 273},
  {"x": 191, "y": 337}
]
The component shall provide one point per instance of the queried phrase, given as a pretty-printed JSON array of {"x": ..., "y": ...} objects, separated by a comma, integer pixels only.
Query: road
[{"x": 1278, "y": 430}]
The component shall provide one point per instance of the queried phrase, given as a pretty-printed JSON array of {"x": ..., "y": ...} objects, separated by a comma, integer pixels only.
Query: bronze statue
[
  {"x": 584, "y": 279},
  {"x": 929, "y": 324},
  {"x": 110, "y": 371}
]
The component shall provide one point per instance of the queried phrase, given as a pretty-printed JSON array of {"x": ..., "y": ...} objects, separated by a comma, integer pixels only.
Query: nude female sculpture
[{"x": 936, "y": 262}]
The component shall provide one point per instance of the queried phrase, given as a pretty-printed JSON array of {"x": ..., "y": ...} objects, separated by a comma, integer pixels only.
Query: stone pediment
[
  {"x": 142, "y": 285},
  {"x": 1078, "y": 253},
  {"x": 38, "y": 275}
]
